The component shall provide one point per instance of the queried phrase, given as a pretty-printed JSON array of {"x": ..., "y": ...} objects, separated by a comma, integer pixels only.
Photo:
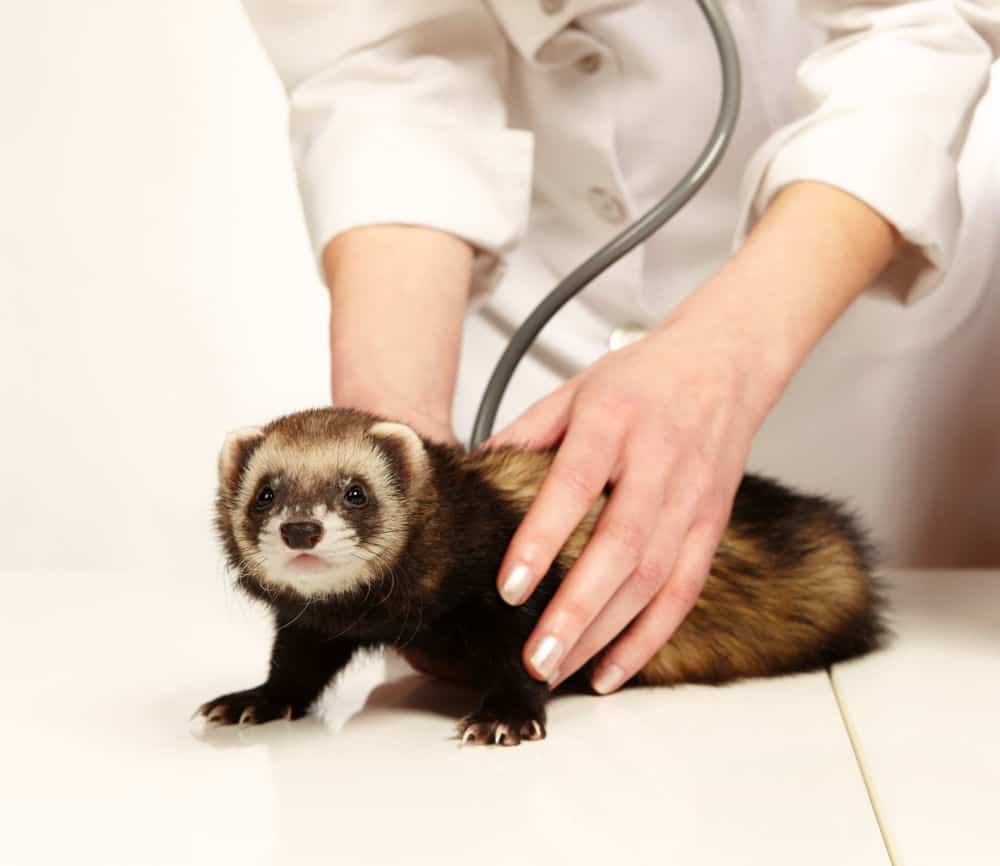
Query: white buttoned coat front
[{"x": 537, "y": 129}]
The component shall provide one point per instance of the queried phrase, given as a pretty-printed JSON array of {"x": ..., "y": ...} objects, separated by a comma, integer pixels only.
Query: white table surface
[
  {"x": 100, "y": 764},
  {"x": 925, "y": 719}
]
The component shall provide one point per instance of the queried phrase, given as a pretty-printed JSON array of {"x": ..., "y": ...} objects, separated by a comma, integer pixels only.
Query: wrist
[
  {"x": 809, "y": 257},
  {"x": 741, "y": 326},
  {"x": 429, "y": 418},
  {"x": 737, "y": 365}
]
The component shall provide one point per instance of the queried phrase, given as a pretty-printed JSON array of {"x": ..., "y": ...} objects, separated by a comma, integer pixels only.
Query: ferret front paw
[
  {"x": 486, "y": 729},
  {"x": 252, "y": 707}
]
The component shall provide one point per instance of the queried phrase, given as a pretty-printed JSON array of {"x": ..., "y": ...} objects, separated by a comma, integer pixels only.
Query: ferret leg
[
  {"x": 512, "y": 710},
  {"x": 302, "y": 664}
]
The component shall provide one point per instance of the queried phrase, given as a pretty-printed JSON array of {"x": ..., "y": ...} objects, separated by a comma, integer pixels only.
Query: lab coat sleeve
[
  {"x": 984, "y": 15},
  {"x": 397, "y": 115},
  {"x": 886, "y": 104}
]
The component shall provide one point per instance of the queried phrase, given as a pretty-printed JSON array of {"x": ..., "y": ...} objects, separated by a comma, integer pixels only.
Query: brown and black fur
[{"x": 791, "y": 586}]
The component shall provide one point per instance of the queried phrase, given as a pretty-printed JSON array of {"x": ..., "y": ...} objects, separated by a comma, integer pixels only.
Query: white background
[{"x": 157, "y": 284}]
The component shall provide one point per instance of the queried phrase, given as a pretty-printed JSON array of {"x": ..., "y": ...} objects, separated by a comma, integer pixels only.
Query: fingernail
[
  {"x": 607, "y": 679},
  {"x": 516, "y": 582},
  {"x": 546, "y": 656}
]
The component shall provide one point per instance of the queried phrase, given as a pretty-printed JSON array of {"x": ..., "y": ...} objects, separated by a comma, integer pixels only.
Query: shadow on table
[{"x": 399, "y": 698}]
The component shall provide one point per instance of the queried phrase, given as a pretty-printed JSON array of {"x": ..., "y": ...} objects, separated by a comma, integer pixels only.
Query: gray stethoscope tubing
[{"x": 634, "y": 235}]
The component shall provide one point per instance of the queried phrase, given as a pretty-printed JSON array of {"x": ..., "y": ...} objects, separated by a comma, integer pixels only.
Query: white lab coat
[
  {"x": 537, "y": 129},
  {"x": 984, "y": 15}
]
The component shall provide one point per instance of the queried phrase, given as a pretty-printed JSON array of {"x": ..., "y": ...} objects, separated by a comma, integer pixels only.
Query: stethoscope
[{"x": 632, "y": 236}]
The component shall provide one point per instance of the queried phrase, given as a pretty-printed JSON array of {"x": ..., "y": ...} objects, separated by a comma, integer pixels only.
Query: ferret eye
[
  {"x": 265, "y": 496},
  {"x": 355, "y": 496}
]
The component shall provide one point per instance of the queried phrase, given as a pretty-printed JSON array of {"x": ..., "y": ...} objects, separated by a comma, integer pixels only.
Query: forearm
[
  {"x": 397, "y": 301},
  {"x": 812, "y": 253}
]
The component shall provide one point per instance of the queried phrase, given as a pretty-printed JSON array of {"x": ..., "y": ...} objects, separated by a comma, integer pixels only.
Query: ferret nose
[{"x": 303, "y": 535}]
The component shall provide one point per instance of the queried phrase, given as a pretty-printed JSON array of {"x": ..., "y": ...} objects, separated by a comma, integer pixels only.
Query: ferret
[{"x": 359, "y": 533}]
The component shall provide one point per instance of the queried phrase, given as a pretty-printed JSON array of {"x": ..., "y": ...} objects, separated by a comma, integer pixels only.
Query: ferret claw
[
  {"x": 502, "y": 734},
  {"x": 492, "y": 732},
  {"x": 244, "y": 709},
  {"x": 217, "y": 716}
]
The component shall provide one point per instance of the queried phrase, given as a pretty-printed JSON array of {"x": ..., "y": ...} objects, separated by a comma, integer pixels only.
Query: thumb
[{"x": 541, "y": 425}]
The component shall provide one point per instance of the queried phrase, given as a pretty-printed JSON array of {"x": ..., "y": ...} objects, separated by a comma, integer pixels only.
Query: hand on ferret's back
[{"x": 667, "y": 422}]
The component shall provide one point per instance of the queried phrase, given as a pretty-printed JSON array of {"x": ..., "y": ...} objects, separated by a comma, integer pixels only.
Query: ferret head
[{"x": 317, "y": 503}]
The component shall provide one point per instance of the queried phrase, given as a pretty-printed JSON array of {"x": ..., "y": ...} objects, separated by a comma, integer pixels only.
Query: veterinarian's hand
[{"x": 668, "y": 422}]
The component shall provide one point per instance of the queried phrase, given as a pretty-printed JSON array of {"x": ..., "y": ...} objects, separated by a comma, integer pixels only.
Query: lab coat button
[
  {"x": 625, "y": 335},
  {"x": 590, "y": 63},
  {"x": 551, "y": 7},
  {"x": 606, "y": 205}
]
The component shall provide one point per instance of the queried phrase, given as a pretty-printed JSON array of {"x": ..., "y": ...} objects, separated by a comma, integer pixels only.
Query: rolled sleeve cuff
[
  {"x": 369, "y": 170},
  {"x": 880, "y": 159}
]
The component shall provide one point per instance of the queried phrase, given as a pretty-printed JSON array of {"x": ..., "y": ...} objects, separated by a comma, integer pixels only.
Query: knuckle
[
  {"x": 582, "y": 484},
  {"x": 613, "y": 402},
  {"x": 648, "y": 579},
  {"x": 713, "y": 517},
  {"x": 702, "y": 477},
  {"x": 637, "y": 647},
  {"x": 718, "y": 515},
  {"x": 709, "y": 511},
  {"x": 661, "y": 452},
  {"x": 607, "y": 410},
  {"x": 628, "y": 536},
  {"x": 684, "y": 592},
  {"x": 574, "y": 616}
]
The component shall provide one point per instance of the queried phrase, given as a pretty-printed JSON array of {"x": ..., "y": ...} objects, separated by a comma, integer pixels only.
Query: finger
[
  {"x": 645, "y": 582},
  {"x": 540, "y": 425},
  {"x": 616, "y": 547},
  {"x": 575, "y": 480},
  {"x": 660, "y": 619}
]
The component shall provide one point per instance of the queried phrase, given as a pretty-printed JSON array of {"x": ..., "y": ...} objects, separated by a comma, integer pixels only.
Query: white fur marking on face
[{"x": 338, "y": 547}]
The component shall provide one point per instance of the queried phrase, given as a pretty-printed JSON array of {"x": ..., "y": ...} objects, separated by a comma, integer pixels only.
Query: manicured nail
[
  {"x": 608, "y": 679},
  {"x": 514, "y": 585},
  {"x": 546, "y": 656}
]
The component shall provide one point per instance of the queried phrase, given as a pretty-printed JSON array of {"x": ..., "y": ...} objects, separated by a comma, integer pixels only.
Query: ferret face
[{"x": 315, "y": 502}]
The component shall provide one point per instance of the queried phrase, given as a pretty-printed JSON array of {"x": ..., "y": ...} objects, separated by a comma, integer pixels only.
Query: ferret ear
[
  {"x": 236, "y": 451},
  {"x": 406, "y": 447}
]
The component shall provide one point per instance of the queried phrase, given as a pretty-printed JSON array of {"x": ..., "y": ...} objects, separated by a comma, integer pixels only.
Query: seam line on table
[{"x": 861, "y": 768}]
